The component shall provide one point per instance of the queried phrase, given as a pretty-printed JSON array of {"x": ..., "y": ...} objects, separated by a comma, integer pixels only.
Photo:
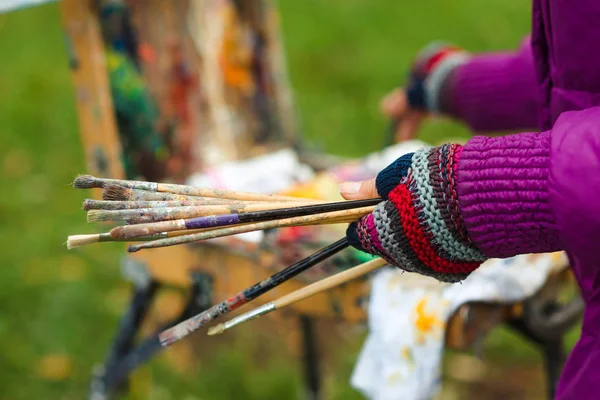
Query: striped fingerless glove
[
  {"x": 419, "y": 227},
  {"x": 427, "y": 87}
]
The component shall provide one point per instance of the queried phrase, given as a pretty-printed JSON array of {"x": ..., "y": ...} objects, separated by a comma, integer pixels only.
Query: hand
[
  {"x": 418, "y": 224},
  {"x": 359, "y": 190},
  {"x": 421, "y": 95},
  {"x": 395, "y": 106},
  {"x": 381, "y": 186}
]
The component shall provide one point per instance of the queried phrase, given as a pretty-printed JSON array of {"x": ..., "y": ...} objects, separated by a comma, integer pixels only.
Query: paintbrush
[
  {"x": 156, "y": 227},
  {"x": 91, "y": 204},
  {"x": 212, "y": 220},
  {"x": 113, "y": 192},
  {"x": 301, "y": 294},
  {"x": 83, "y": 240},
  {"x": 86, "y": 239},
  {"x": 190, "y": 325},
  {"x": 143, "y": 215},
  {"x": 331, "y": 217},
  {"x": 88, "y": 182}
]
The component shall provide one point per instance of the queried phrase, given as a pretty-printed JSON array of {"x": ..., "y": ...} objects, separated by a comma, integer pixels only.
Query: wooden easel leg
[
  {"x": 554, "y": 358},
  {"x": 312, "y": 371},
  {"x": 125, "y": 356},
  {"x": 552, "y": 352},
  {"x": 109, "y": 377}
]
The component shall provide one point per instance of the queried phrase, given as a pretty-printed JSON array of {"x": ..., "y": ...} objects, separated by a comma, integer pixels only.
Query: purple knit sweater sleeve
[
  {"x": 503, "y": 194},
  {"x": 495, "y": 92}
]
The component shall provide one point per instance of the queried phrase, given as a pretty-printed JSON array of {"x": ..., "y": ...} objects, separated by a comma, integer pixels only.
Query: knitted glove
[
  {"x": 419, "y": 227},
  {"x": 426, "y": 88}
]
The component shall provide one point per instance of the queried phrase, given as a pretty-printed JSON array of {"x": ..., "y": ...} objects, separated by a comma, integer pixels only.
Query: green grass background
[{"x": 58, "y": 309}]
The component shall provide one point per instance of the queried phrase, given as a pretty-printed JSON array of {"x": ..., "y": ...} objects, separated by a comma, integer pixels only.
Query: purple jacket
[{"x": 540, "y": 191}]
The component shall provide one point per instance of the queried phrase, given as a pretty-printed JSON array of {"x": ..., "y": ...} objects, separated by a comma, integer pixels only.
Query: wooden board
[
  {"x": 94, "y": 105},
  {"x": 234, "y": 272}
]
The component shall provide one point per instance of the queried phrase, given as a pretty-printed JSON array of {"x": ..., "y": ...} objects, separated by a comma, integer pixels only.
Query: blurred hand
[
  {"x": 395, "y": 106},
  {"x": 359, "y": 190}
]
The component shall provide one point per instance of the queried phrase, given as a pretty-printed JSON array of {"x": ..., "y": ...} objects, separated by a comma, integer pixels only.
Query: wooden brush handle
[
  {"x": 221, "y": 193},
  {"x": 308, "y": 291},
  {"x": 184, "y": 190},
  {"x": 165, "y": 223},
  {"x": 235, "y": 230},
  {"x": 150, "y": 215},
  {"x": 91, "y": 204},
  {"x": 330, "y": 282}
]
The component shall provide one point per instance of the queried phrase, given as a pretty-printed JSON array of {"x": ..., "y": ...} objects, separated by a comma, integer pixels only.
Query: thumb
[{"x": 359, "y": 190}]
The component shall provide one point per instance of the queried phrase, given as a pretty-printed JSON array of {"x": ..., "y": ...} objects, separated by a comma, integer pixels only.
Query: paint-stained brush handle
[
  {"x": 190, "y": 325},
  {"x": 150, "y": 215},
  {"x": 330, "y": 282},
  {"x": 112, "y": 192},
  {"x": 170, "y": 219},
  {"x": 92, "y": 204},
  {"x": 88, "y": 181},
  {"x": 302, "y": 294},
  {"x": 345, "y": 215}
]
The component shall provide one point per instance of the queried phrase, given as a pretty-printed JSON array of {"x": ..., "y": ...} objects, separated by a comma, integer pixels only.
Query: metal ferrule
[{"x": 257, "y": 312}]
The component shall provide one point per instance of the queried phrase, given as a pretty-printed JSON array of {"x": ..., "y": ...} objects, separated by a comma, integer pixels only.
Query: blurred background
[{"x": 59, "y": 308}]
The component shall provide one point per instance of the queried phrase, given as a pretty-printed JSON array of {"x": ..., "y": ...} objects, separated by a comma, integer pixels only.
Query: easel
[{"x": 228, "y": 114}]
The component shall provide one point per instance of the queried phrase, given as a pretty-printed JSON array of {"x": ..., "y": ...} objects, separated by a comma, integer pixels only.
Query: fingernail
[{"x": 350, "y": 187}]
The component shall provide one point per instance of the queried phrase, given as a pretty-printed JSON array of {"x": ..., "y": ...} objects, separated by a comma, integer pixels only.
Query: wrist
[
  {"x": 419, "y": 227},
  {"x": 502, "y": 186}
]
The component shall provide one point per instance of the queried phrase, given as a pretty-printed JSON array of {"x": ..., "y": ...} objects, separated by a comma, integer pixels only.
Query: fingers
[
  {"x": 409, "y": 126},
  {"x": 395, "y": 104},
  {"x": 359, "y": 190}
]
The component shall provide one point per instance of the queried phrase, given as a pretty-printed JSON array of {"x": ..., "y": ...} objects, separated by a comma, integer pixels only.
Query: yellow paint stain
[
  {"x": 406, "y": 354},
  {"x": 394, "y": 282},
  {"x": 235, "y": 57},
  {"x": 426, "y": 323},
  {"x": 558, "y": 257},
  {"x": 394, "y": 379}
]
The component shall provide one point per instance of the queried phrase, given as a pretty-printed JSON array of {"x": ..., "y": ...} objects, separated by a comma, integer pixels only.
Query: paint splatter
[
  {"x": 394, "y": 378},
  {"x": 427, "y": 323}
]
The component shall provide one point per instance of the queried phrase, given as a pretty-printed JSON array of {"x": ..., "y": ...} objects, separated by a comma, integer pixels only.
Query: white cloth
[
  {"x": 269, "y": 173},
  {"x": 13, "y": 5},
  {"x": 401, "y": 358}
]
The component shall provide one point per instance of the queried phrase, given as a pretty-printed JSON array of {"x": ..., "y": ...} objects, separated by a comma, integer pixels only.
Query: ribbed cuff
[
  {"x": 503, "y": 194},
  {"x": 392, "y": 175},
  {"x": 492, "y": 93}
]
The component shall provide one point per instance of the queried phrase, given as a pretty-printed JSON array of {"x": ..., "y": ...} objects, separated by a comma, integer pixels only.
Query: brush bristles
[
  {"x": 87, "y": 182},
  {"x": 98, "y": 216},
  {"x": 82, "y": 240},
  {"x": 216, "y": 330},
  {"x": 87, "y": 204},
  {"x": 115, "y": 193}
]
